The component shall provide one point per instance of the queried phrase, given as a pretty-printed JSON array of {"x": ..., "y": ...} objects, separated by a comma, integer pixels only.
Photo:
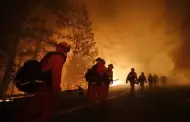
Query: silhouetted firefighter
[
  {"x": 49, "y": 71},
  {"x": 95, "y": 81},
  {"x": 132, "y": 78},
  {"x": 142, "y": 80},
  {"x": 150, "y": 80},
  {"x": 107, "y": 80}
]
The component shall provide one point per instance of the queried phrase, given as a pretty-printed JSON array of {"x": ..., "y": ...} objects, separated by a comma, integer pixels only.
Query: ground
[
  {"x": 163, "y": 104},
  {"x": 157, "y": 105}
]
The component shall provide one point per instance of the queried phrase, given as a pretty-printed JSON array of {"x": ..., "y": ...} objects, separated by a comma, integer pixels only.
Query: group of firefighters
[
  {"x": 99, "y": 78},
  {"x": 152, "y": 80},
  {"x": 98, "y": 84}
]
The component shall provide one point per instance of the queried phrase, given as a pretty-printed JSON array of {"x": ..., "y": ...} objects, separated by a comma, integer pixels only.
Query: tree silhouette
[
  {"x": 14, "y": 13},
  {"x": 84, "y": 48}
]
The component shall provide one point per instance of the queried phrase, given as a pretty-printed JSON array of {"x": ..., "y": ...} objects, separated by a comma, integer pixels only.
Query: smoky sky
[{"x": 149, "y": 35}]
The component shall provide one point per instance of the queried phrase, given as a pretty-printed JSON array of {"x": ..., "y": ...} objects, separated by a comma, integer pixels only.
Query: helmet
[
  {"x": 63, "y": 45},
  {"x": 110, "y": 65},
  {"x": 132, "y": 69},
  {"x": 100, "y": 60}
]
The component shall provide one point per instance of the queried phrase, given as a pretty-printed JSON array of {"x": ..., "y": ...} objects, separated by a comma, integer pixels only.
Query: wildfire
[{"x": 115, "y": 83}]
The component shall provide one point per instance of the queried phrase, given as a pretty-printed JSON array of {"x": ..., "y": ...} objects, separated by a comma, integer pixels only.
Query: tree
[
  {"x": 81, "y": 36},
  {"x": 36, "y": 28},
  {"x": 14, "y": 13},
  {"x": 42, "y": 22}
]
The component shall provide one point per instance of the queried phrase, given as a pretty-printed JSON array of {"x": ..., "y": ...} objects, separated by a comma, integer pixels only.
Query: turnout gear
[
  {"x": 163, "y": 80},
  {"x": 95, "y": 85},
  {"x": 91, "y": 75},
  {"x": 31, "y": 71},
  {"x": 142, "y": 80},
  {"x": 48, "y": 70},
  {"x": 107, "y": 80},
  {"x": 52, "y": 87},
  {"x": 155, "y": 81},
  {"x": 150, "y": 81},
  {"x": 132, "y": 77}
]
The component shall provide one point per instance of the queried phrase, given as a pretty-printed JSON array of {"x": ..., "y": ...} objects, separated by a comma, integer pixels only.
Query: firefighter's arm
[
  {"x": 145, "y": 80},
  {"x": 136, "y": 76},
  {"x": 138, "y": 79},
  {"x": 127, "y": 78},
  {"x": 57, "y": 64},
  {"x": 111, "y": 76},
  {"x": 105, "y": 70}
]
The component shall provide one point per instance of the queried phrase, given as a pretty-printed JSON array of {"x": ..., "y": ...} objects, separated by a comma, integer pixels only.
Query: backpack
[
  {"x": 141, "y": 78},
  {"x": 31, "y": 71},
  {"x": 106, "y": 77},
  {"x": 131, "y": 76},
  {"x": 150, "y": 79},
  {"x": 91, "y": 74}
]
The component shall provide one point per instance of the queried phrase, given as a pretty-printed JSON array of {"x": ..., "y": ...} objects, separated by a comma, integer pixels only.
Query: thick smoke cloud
[
  {"x": 144, "y": 34},
  {"x": 178, "y": 21}
]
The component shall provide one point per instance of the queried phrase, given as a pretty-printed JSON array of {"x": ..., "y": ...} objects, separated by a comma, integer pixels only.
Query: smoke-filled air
[{"x": 149, "y": 35}]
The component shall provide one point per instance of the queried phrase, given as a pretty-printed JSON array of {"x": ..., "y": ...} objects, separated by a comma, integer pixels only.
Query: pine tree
[{"x": 84, "y": 48}]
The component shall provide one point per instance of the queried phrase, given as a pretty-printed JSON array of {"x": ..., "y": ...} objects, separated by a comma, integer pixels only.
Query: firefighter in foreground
[
  {"x": 132, "y": 78},
  {"x": 107, "y": 80},
  {"x": 51, "y": 88},
  {"x": 142, "y": 80},
  {"x": 95, "y": 81}
]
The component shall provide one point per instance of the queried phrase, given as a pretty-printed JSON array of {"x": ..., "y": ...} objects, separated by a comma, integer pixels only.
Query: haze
[{"x": 144, "y": 34}]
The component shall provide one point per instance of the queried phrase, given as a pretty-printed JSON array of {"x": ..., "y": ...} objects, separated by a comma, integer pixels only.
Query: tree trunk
[
  {"x": 38, "y": 46},
  {"x": 10, "y": 64}
]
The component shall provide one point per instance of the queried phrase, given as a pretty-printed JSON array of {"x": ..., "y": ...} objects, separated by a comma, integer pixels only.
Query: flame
[{"x": 116, "y": 83}]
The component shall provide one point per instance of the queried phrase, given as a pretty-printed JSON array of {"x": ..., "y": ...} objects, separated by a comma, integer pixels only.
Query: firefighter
[
  {"x": 107, "y": 80},
  {"x": 164, "y": 80},
  {"x": 150, "y": 80},
  {"x": 155, "y": 81},
  {"x": 51, "y": 87},
  {"x": 132, "y": 78},
  {"x": 142, "y": 80},
  {"x": 161, "y": 80},
  {"x": 95, "y": 87}
]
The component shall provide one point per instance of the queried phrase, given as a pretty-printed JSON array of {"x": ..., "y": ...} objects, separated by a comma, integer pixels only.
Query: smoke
[
  {"x": 178, "y": 23},
  {"x": 145, "y": 35}
]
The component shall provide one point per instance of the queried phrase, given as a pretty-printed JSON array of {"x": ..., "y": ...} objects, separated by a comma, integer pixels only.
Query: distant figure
[
  {"x": 164, "y": 80},
  {"x": 155, "y": 80},
  {"x": 142, "y": 80},
  {"x": 132, "y": 78},
  {"x": 150, "y": 81}
]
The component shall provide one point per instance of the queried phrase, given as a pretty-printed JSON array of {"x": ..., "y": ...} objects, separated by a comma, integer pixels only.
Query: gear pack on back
[
  {"x": 31, "y": 71},
  {"x": 91, "y": 74},
  {"x": 131, "y": 76}
]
